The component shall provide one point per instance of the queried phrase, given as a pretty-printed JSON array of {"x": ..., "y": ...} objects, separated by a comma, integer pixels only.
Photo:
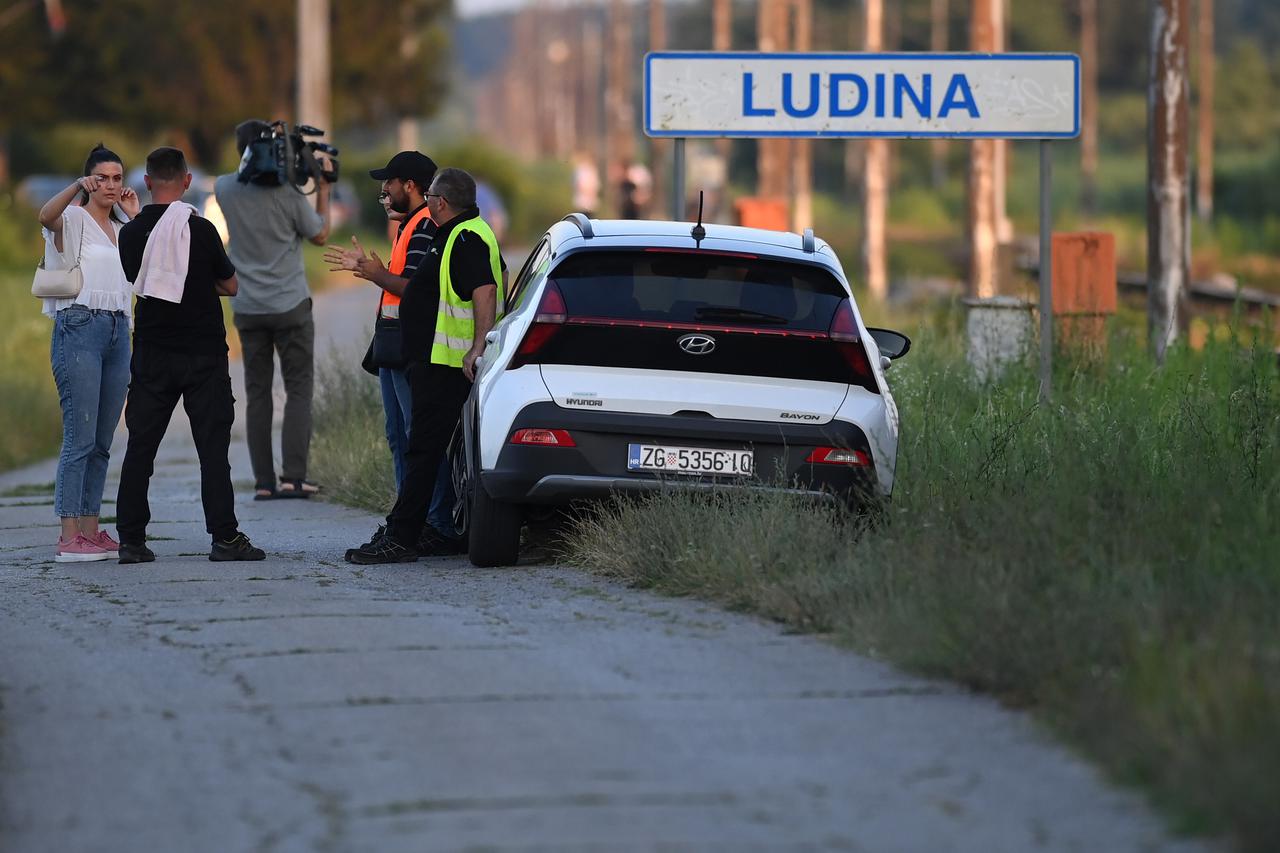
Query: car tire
[{"x": 494, "y": 535}]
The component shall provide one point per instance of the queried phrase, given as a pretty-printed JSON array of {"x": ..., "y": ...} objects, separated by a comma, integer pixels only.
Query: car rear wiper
[{"x": 729, "y": 312}]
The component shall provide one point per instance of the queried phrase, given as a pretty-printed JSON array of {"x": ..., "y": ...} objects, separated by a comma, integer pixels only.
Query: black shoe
[
  {"x": 135, "y": 554},
  {"x": 433, "y": 543},
  {"x": 385, "y": 550},
  {"x": 238, "y": 547},
  {"x": 377, "y": 536}
]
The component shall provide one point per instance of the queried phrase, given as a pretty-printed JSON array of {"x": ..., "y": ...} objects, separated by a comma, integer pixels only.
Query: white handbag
[{"x": 59, "y": 284}]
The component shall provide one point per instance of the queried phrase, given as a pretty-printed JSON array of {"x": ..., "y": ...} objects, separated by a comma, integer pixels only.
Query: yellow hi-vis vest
[{"x": 455, "y": 322}]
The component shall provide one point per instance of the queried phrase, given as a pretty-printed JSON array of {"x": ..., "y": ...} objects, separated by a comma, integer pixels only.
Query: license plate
[{"x": 690, "y": 460}]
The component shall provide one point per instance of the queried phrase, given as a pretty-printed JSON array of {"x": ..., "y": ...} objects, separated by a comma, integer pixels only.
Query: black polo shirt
[
  {"x": 468, "y": 269},
  {"x": 193, "y": 325}
]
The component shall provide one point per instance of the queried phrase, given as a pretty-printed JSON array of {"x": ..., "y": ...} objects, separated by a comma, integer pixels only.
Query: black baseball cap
[{"x": 408, "y": 166}]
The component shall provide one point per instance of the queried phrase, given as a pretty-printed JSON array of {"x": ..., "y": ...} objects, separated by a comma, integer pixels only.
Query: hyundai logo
[{"x": 697, "y": 344}]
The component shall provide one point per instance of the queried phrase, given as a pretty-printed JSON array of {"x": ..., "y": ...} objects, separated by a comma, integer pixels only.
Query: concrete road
[{"x": 302, "y": 704}]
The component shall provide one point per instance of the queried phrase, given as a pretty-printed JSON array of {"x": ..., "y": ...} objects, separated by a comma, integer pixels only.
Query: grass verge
[
  {"x": 349, "y": 452},
  {"x": 30, "y": 419},
  {"x": 1108, "y": 561}
]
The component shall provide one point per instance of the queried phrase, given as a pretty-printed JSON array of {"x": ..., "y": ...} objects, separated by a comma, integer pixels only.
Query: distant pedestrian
[
  {"x": 89, "y": 351},
  {"x": 179, "y": 270}
]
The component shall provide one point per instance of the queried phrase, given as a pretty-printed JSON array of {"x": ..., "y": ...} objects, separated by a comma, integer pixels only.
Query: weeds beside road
[{"x": 1108, "y": 561}]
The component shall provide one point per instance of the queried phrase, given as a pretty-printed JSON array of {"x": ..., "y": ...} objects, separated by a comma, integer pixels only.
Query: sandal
[
  {"x": 265, "y": 493},
  {"x": 297, "y": 489}
]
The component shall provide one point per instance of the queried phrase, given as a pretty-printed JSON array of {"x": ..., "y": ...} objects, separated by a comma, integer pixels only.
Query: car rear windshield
[{"x": 698, "y": 287}]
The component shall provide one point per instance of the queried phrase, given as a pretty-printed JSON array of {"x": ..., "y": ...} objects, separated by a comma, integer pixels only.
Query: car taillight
[
  {"x": 543, "y": 437},
  {"x": 547, "y": 322},
  {"x": 838, "y": 456},
  {"x": 844, "y": 334}
]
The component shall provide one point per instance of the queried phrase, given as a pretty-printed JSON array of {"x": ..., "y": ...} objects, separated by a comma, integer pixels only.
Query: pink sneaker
[
  {"x": 104, "y": 541},
  {"x": 79, "y": 550}
]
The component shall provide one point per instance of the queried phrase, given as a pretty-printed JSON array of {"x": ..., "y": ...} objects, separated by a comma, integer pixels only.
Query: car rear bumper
[{"x": 597, "y": 466}]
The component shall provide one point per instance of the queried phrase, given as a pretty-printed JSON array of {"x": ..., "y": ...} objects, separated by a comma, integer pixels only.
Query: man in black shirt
[
  {"x": 448, "y": 307},
  {"x": 405, "y": 181},
  {"x": 179, "y": 351}
]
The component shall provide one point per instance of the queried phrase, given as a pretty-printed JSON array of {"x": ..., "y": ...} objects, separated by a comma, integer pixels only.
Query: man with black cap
[{"x": 405, "y": 181}]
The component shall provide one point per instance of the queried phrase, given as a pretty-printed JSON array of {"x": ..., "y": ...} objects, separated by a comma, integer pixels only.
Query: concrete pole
[
  {"x": 1089, "y": 105},
  {"x": 982, "y": 213},
  {"x": 1168, "y": 185},
  {"x": 875, "y": 177},
  {"x": 802, "y": 151},
  {"x": 1204, "y": 114},
  {"x": 315, "y": 103}
]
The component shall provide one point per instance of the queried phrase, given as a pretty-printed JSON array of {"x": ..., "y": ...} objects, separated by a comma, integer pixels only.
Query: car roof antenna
[{"x": 699, "y": 233}]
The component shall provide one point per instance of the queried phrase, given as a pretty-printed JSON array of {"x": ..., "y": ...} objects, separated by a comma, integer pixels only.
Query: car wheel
[
  {"x": 494, "y": 535},
  {"x": 461, "y": 478}
]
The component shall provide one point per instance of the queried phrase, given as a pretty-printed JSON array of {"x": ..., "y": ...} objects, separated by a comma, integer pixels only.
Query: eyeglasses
[{"x": 433, "y": 195}]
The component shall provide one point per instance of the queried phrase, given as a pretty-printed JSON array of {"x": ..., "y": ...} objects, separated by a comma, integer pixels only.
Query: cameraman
[{"x": 267, "y": 225}]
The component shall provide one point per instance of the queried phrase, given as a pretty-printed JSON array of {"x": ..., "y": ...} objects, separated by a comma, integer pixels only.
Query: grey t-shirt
[{"x": 267, "y": 226}]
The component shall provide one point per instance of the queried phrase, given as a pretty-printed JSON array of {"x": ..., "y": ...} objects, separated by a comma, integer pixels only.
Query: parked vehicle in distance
[{"x": 639, "y": 355}]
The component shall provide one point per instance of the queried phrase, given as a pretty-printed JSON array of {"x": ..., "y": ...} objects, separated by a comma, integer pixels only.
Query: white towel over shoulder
[{"x": 163, "y": 273}]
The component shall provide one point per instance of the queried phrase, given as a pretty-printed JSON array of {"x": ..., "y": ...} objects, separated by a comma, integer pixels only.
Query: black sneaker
[
  {"x": 238, "y": 547},
  {"x": 136, "y": 554},
  {"x": 385, "y": 550},
  {"x": 433, "y": 543},
  {"x": 377, "y": 535}
]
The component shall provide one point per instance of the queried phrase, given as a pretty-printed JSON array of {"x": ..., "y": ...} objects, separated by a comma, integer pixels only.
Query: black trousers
[
  {"x": 157, "y": 379},
  {"x": 438, "y": 394}
]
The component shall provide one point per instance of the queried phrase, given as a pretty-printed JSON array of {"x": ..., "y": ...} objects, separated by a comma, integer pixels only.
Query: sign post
[{"x": 892, "y": 95}]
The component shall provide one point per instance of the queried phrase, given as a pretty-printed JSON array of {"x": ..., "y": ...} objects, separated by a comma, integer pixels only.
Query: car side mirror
[{"x": 892, "y": 345}]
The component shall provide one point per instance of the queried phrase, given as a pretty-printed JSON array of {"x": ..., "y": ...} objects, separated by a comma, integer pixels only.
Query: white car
[{"x": 644, "y": 355}]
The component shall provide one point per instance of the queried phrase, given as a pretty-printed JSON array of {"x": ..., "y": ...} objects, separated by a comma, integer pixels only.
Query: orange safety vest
[{"x": 390, "y": 304}]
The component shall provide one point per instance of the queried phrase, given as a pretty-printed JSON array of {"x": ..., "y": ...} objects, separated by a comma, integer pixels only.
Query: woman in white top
[{"x": 90, "y": 347}]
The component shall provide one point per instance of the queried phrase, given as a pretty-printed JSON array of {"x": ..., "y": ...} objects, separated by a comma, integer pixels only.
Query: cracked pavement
[{"x": 303, "y": 704}]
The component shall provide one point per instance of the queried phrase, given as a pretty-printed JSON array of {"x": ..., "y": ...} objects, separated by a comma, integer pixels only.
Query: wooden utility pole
[
  {"x": 1089, "y": 105},
  {"x": 802, "y": 151},
  {"x": 722, "y": 39},
  {"x": 658, "y": 147},
  {"x": 1168, "y": 137},
  {"x": 854, "y": 148},
  {"x": 773, "y": 162},
  {"x": 621, "y": 134},
  {"x": 315, "y": 101},
  {"x": 982, "y": 212},
  {"x": 1204, "y": 114},
  {"x": 407, "y": 126},
  {"x": 1001, "y": 149},
  {"x": 939, "y": 21},
  {"x": 875, "y": 177}
]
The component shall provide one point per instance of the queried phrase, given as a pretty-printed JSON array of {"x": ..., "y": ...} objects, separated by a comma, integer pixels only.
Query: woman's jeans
[
  {"x": 397, "y": 406},
  {"x": 90, "y": 358}
]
